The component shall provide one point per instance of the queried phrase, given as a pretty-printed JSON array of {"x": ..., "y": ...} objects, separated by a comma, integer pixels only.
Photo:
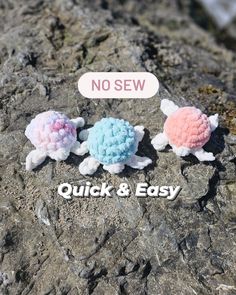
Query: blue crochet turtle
[{"x": 112, "y": 143}]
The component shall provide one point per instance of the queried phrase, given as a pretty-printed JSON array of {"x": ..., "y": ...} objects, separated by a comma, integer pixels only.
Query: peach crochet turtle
[{"x": 186, "y": 130}]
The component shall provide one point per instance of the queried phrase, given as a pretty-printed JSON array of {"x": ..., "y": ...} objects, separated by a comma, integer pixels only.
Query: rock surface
[{"x": 114, "y": 245}]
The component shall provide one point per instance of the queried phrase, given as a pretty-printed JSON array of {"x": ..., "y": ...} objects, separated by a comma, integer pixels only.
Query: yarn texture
[
  {"x": 50, "y": 131},
  {"x": 54, "y": 135},
  {"x": 112, "y": 141},
  {"x": 186, "y": 130},
  {"x": 188, "y": 127}
]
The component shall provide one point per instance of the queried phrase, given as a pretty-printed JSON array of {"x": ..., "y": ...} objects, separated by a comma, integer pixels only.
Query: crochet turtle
[
  {"x": 54, "y": 135},
  {"x": 186, "y": 130},
  {"x": 112, "y": 143}
]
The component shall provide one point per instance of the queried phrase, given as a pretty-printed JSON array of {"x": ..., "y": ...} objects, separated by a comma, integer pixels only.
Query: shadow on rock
[
  {"x": 145, "y": 150},
  {"x": 216, "y": 144}
]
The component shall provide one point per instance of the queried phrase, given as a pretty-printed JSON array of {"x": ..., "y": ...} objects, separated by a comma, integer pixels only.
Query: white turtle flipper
[
  {"x": 138, "y": 162},
  {"x": 59, "y": 155},
  {"x": 88, "y": 166},
  {"x": 83, "y": 135},
  {"x": 168, "y": 107},
  {"x": 203, "y": 155},
  {"x": 181, "y": 151},
  {"x": 160, "y": 141},
  {"x": 114, "y": 168},
  {"x": 139, "y": 132},
  {"x": 34, "y": 158},
  {"x": 79, "y": 122},
  {"x": 79, "y": 149},
  {"x": 214, "y": 121}
]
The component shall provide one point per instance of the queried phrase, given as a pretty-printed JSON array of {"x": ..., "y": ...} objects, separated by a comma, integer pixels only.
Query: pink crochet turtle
[
  {"x": 186, "y": 130},
  {"x": 54, "y": 135}
]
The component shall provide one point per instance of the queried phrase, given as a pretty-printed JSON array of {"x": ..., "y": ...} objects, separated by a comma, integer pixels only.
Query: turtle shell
[
  {"x": 50, "y": 131},
  {"x": 111, "y": 141},
  {"x": 188, "y": 127}
]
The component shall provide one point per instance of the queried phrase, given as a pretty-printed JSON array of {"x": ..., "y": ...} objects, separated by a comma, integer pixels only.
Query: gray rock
[{"x": 114, "y": 245}]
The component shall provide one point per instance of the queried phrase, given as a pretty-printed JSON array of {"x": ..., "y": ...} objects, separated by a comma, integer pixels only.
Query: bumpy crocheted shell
[
  {"x": 187, "y": 127},
  {"x": 111, "y": 141},
  {"x": 50, "y": 131}
]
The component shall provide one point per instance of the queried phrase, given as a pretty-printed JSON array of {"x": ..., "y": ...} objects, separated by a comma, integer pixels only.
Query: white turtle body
[{"x": 58, "y": 150}]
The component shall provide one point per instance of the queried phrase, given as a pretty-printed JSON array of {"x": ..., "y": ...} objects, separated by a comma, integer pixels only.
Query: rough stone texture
[{"x": 114, "y": 245}]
